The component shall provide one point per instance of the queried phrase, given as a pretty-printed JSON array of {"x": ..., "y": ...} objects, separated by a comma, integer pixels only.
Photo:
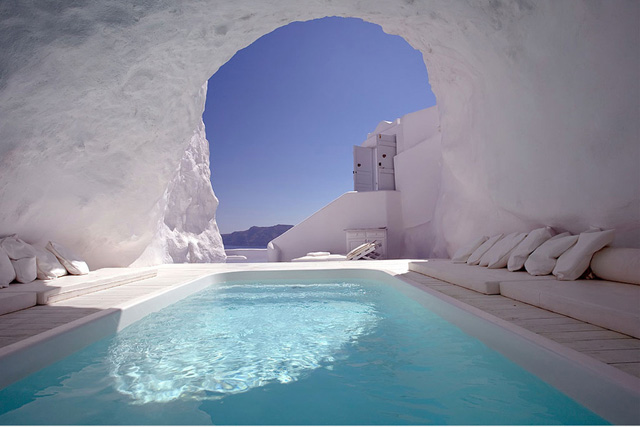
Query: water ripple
[{"x": 233, "y": 338}]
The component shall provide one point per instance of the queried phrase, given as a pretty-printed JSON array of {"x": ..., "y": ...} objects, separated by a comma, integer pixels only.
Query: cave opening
[{"x": 283, "y": 114}]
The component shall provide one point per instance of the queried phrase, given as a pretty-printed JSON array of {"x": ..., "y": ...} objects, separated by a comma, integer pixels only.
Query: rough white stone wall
[
  {"x": 539, "y": 104},
  {"x": 187, "y": 229}
]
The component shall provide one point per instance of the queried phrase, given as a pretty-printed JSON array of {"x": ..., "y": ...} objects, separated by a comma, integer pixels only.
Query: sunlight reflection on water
[{"x": 240, "y": 337}]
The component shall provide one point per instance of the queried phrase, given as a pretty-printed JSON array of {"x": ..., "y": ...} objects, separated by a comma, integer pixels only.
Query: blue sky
[{"x": 283, "y": 115}]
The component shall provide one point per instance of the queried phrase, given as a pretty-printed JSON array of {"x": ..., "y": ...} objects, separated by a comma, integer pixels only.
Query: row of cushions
[
  {"x": 539, "y": 252},
  {"x": 576, "y": 260},
  {"x": 21, "y": 260},
  {"x": 68, "y": 259},
  {"x": 24, "y": 263},
  {"x": 542, "y": 261}
]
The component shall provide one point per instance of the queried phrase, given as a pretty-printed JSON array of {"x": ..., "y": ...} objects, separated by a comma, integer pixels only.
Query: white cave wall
[
  {"x": 100, "y": 102},
  {"x": 186, "y": 230}
]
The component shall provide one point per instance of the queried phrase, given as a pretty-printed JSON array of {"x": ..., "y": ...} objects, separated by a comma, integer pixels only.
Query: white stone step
[
  {"x": 14, "y": 301},
  {"x": 48, "y": 291}
]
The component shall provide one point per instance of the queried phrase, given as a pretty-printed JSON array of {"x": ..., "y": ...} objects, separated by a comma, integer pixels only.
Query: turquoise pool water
[{"x": 289, "y": 352}]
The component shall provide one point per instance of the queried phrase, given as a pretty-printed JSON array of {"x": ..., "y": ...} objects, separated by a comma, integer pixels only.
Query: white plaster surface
[
  {"x": 612, "y": 305},
  {"x": 385, "y": 127},
  {"x": 324, "y": 231},
  {"x": 99, "y": 101},
  {"x": 251, "y": 255},
  {"x": 418, "y": 166},
  {"x": 417, "y": 127}
]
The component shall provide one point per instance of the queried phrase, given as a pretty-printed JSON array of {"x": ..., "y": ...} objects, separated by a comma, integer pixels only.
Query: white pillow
[
  {"x": 495, "y": 250},
  {"x": 48, "y": 265},
  {"x": 543, "y": 260},
  {"x": 500, "y": 257},
  {"x": 575, "y": 261},
  {"x": 534, "y": 239},
  {"x": 463, "y": 254},
  {"x": 474, "y": 258},
  {"x": 25, "y": 269},
  {"x": 71, "y": 261},
  {"x": 16, "y": 248},
  {"x": 7, "y": 273},
  {"x": 617, "y": 264},
  {"x": 484, "y": 259}
]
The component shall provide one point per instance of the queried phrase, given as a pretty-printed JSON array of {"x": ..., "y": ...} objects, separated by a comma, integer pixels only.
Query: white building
[{"x": 397, "y": 173}]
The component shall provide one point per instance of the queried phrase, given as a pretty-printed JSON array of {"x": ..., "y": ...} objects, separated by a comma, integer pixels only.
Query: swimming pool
[{"x": 330, "y": 348}]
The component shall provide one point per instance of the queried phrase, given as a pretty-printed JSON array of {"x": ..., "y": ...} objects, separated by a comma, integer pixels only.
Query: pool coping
[
  {"x": 622, "y": 389},
  {"x": 619, "y": 389}
]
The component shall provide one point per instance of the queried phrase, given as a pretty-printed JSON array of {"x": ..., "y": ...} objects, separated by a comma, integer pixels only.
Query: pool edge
[
  {"x": 34, "y": 353},
  {"x": 618, "y": 404}
]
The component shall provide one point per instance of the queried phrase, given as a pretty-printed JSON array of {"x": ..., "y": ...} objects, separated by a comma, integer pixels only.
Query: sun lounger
[{"x": 364, "y": 251}]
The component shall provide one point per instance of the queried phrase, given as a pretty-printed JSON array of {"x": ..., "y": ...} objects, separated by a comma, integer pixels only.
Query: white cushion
[
  {"x": 318, "y": 253},
  {"x": 317, "y": 258},
  {"x": 576, "y": 260},
  {"x": 25, "y": 269},
  {"x": 7, "y": 273},
  {"x": 16, "y": 248},
  {"x": 533, "y": 240},
  {"x": 71, "y": 261},
  {"x": 484, "y": 259},
  {"x": 474, "y": 258},
  {"x": 500, "y": 257},
  {"x": 495, "y": 252},
  {"x": 48, "y": 265},
  {"x": 617, "y": 264},
  {"x": 543, "y": 260},
  {"x": 463, "y": 254}
]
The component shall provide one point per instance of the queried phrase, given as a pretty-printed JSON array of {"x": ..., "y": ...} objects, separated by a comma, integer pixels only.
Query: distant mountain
[{"x": 255, "y": 237}]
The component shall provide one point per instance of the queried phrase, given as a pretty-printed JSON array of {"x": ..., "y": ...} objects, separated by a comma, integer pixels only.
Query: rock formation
[{"x": 101, "y": 143}]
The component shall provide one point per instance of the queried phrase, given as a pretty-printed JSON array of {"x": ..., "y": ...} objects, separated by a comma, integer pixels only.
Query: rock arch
[{"x": 101, "y": 105}]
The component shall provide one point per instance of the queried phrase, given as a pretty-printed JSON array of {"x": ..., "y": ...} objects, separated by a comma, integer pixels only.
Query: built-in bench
[
  {"x": 14, "y": 301},
  {"x": 611, "y": 305},
  {"x": 19, "y": 296},
  {"x": 479, "y": 279}
]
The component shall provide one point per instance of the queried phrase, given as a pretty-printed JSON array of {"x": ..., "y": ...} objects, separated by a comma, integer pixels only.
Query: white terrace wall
[
  {"x": 418, "y": 168},
  {"x": 406, "y": 213},
  {"x": 325, "y": 229},
  {"x": 100, "y": 102}
]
